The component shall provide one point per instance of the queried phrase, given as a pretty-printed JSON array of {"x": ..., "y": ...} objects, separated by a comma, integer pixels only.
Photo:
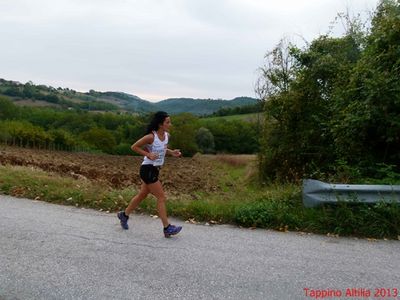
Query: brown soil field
[{"x": 178, "y": 175}]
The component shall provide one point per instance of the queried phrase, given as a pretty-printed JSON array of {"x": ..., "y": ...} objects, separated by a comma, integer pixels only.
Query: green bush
[
  {"x": 335, "y": 106},
  {"x": 123, "y": 149}
]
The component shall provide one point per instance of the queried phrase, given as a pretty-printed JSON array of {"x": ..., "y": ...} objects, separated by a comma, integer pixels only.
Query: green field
[{"x": 253, "y": 117}]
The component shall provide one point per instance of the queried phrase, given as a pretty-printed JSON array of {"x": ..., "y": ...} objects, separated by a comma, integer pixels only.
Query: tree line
[
  {"x": 332, "y": 108},
  {"x": 77, "y": 130},
  {"x": 239, "y": 110},
  {"x": 51, "y": 95}
]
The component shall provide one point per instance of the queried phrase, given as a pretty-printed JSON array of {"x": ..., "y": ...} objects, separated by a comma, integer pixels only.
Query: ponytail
[{"x": 157, "y": 120}]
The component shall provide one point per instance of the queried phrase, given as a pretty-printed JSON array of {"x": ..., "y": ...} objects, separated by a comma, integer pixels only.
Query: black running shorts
[{"x": 149, "y": 173}]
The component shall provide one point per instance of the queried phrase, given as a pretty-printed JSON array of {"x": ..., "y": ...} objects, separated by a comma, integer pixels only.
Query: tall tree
[
  {"x": 367, "y": 127},
  {"x": 297, "y": 137}
]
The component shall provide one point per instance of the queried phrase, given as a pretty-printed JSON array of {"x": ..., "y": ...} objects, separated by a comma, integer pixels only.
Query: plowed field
[{"x": 178, "y": 175}]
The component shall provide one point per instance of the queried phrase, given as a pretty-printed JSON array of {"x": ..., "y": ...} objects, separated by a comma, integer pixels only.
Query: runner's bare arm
[
  {"x": 175, "y": 152},
  {"x": 139, "y": 144}
]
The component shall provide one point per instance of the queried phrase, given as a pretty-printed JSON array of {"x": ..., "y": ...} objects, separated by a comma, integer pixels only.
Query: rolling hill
[{"x": 29, "y": 94}]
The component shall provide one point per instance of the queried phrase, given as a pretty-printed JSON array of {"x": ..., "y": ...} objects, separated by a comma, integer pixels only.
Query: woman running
[{"x": 153, "y": 146}]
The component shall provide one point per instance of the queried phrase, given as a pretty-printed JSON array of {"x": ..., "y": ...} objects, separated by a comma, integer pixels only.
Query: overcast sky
[{"x": 155, "y": 49}]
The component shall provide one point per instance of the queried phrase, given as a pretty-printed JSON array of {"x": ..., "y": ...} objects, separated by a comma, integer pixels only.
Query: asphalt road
[{"x": 56, "y": 252}]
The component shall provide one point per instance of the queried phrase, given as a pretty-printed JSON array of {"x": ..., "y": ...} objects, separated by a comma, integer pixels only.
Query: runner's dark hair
[{"x": 157, "y": 120}]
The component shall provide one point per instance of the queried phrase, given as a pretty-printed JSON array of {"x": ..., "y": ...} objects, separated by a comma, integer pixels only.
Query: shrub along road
[{"x": 50, "y": 251}]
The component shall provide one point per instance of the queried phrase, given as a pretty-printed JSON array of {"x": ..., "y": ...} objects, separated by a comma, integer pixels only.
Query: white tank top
[{"x": 159, "y": 147}]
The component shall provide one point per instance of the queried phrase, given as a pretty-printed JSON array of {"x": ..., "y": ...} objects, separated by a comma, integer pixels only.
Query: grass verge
[{"x": 239, "y": 202}]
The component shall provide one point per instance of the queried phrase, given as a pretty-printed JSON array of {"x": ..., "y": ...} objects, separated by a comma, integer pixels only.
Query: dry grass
[
  {"x": 273, "y": 206},
  {"x": 236, "y": 160}
]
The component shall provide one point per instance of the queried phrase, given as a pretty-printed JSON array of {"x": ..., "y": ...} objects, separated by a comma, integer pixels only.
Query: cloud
[{"x": 168, "y": 48}]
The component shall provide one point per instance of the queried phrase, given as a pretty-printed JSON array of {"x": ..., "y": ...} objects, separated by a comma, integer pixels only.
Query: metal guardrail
[{"x": 316, "y": 193}]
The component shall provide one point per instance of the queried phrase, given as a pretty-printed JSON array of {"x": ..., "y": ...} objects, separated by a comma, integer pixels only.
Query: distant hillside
[
  {"x": 29, "y": 94},
  {"x": 126, "y": 101},
  {"x": 201, "y": 106}
]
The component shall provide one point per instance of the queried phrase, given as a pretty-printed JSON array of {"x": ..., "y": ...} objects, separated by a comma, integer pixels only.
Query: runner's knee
[{"x": 162, "y": 198}]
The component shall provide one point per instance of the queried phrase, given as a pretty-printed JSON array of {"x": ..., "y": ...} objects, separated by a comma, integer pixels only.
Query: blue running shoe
[
  {"x": 172, "y": 230},
  {"x": 123, "y": 219}
]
